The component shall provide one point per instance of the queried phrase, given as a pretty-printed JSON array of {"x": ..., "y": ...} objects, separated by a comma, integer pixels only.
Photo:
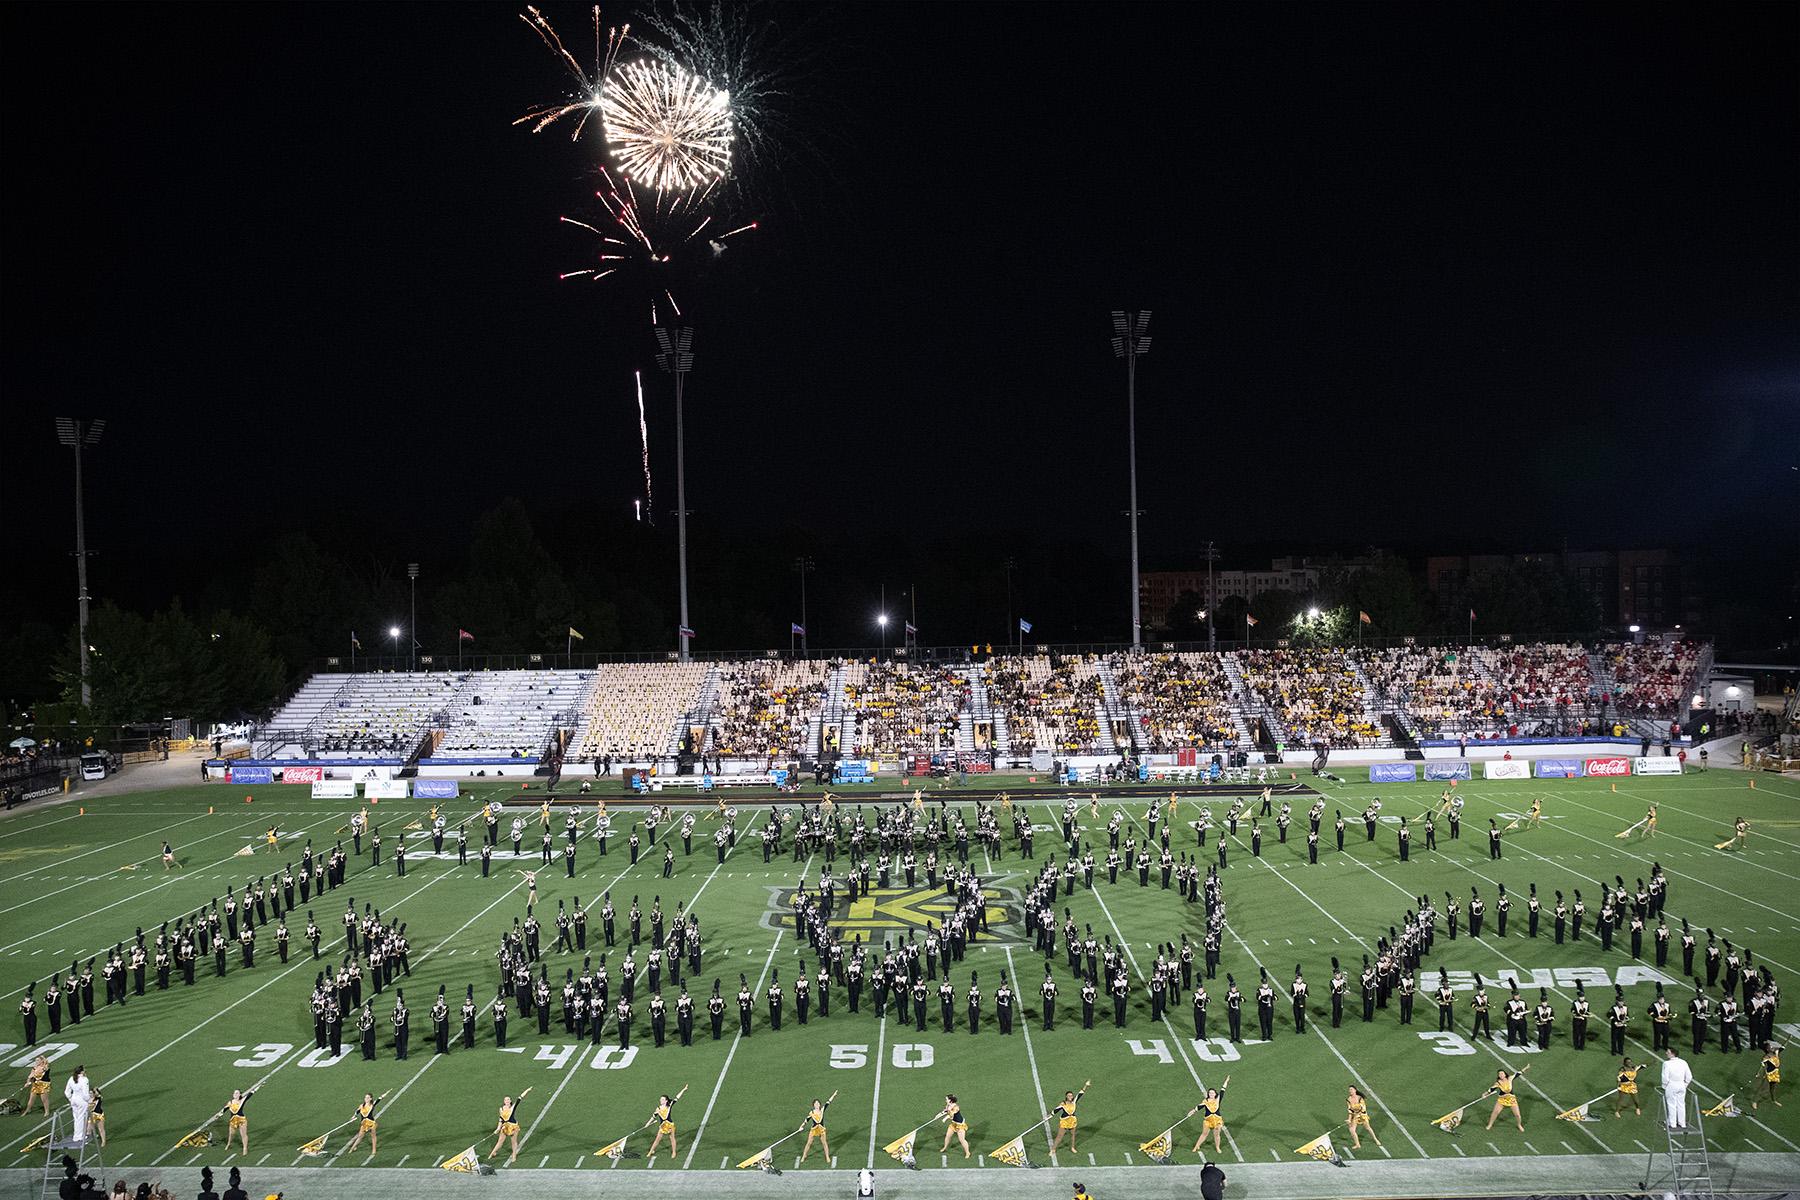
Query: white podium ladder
[
  {"x": 89, "y": 1155},
  {"x": 1690, "y": 1174}
]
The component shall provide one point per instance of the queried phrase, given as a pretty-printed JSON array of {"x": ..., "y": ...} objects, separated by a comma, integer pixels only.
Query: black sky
[{"x": 1422, "y": 275}]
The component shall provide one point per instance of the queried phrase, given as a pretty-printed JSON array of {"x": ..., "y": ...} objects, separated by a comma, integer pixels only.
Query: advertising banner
[
  {"x": 302, "y": 774},
  {"x": 1558, "y": 768},
  {"x": 1657, "y": 766},
  {"x": 435, "y": 789},
  {"x": 251, "y": 775},
  {"x": 385, "y": 789},
  {"x": 334, "y": 789},
  {"x": 1460, "y": 769},
  {"x": 1611, "y": 767},
  {"x": 363, "y": 774},
  {"x": 1514, "y": 768},
  {"x": 1393, "y": 772}
]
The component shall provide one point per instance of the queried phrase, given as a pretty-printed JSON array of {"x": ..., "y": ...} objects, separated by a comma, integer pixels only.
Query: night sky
[{"x": 1431, "y": 277}]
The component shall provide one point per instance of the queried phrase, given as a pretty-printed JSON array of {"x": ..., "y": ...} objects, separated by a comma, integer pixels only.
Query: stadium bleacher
[{"x": 753, "y": 713}]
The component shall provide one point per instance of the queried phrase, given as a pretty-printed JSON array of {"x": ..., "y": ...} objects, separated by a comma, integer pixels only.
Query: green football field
[{"x": 73, "y": 884}]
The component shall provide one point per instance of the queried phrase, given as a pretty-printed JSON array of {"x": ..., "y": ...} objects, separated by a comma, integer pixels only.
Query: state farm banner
[
  {"x": 1392, "y": 772},
  {"x": 1513, "y": 768},
  {"x": 1558, "y": 768},
  {"x": 385, "y": 789},
  {"x": 302, "y": 774},
  {"x": 1656, "y": 766},
  {"x": 1608, "y": 768},
  {"x": 334, "y": 789},
  {"x": 1439, "y": 771}
]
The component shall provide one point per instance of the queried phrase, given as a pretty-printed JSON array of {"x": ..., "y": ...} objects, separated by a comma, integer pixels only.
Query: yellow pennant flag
[
  {"x": 1724, "y": 1108},
  {"x": 901, "y": 1150},
  {"x": 763, "y": 1160},
  {"x": 1726, "y": 844},
  {"x": 314, "y": 1147},
  {"x": 1449, "y": 1121},
  {"x": 246, "y": 852},
  {"x": 613, "y": 1150},
  {"x": 35, "y": 1144},
  {"x": 1511, "y": 825},
  {"x": 1160, "y": 1148},
  {"x": 1319, "y": 1148},
  {"x": 414, "y": 825},
  {"x": 576, "y": 634},
  {"x": 1576, "y": 1115},
  {"x": 467, "y": 1163},
  {"x": 1012, "y": 1154},
  {"x": 200, "y": 1137}
]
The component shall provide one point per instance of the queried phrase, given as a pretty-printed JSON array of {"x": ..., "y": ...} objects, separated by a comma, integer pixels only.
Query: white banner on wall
[
  {"x": 334, "y": 789},
  {"x": 385, "y": 789},
  {"x": 1507, "y": 769},
  {"x": 1656, "y": 766}
]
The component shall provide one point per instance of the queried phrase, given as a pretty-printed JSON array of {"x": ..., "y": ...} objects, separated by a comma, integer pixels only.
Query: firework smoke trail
[
  {"x": 644, "y": 436},
  {"x": 588, "y": 90}
]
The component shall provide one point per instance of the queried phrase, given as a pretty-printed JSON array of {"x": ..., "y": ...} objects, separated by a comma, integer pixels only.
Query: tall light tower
[
  {"x": 412, "y": 579},
  {"x": 675, "y": 354},
  {"x": 1131, "y": 340},
  {"x": 1211, "y": 554},
  {"x": 803, "y": 565},
  {"x": 76, "y": 433}
]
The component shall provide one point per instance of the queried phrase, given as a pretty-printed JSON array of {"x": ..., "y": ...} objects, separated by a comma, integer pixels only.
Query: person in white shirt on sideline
[{"x": 1676, "y": 1076}]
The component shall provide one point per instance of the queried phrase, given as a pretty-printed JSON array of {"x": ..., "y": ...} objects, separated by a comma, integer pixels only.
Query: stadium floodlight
[
  {"x": 76, "y": 433},
  {"x": 1130, "y": 341},
  {"x": 1312, "y": 614},
  {"x": 412, "y": 579},
  {"x": 675, "y": 355},
  {"x": 394, "y": 632},
  {"x": 1634, "y": 629}
]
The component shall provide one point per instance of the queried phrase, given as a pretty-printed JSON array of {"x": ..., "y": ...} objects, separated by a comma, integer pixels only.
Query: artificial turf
[{"x": 72, "y": 884}]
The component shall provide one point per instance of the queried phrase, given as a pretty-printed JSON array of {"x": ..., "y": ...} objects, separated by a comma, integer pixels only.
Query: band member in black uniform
[
  {"x": 1088, "y": 994},
  {"x": 1298, "y": 993},
  {"x": 1579, "y": 1012},
  {"x": 1048, "y": 990},
  {"x": 1545, "y": 1017},
  {"x": 28, "y": 1013},
  {"x": 1618, "y": 1019},
  {"x": 365, "y": 1026},
  {"x": 1200, "y": 1002},
  {"x": 1661, "y": 1013},
  {"x": 1502, "y": 906},
  {"x": 1405, "y": 836},
  {"x": 498, "y": 1008},
  {"x": 974, "y": 1004},
  {"x": 1265, "y": 1006},
  {"x": 440, "y": 1023},
  {"x": 746, "y": 1002},
  {"x": 1234, "y": 1008},
  {"x": 1369, "y": 984},
  {"x": 774, "y": 998},
  {"x": 684, "y": 1017},
  {"x": 401, "y": 1025},
  {"x": 1493, "y": 838},
  {"x": 1409, "y": 987},
  {"x": 1003, "y": 1004},
  {"x": 715, "y": 1007},
  {"x": 658, "y": 1018},
  {"x": 1480, "y": 1005}
]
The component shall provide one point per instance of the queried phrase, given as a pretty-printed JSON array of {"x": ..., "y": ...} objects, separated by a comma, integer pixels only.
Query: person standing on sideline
[{"x": 1676, "y": 1076}]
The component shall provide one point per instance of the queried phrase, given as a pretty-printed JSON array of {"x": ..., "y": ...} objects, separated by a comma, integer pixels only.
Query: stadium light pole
[
  {"x": 675, "y": 355},
  {"x": 412, "y": 578},
  {"x": 1131, "y": 340},
  {"x": 802, "y": 565},
  {"x": 1211, "y": 554},
  {"x": 76, "y": 433}
]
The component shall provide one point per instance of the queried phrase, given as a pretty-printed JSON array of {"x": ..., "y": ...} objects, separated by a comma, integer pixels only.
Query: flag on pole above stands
[
  {"x": 463, "y": 635},
  {"x": 576, "y": 634}
]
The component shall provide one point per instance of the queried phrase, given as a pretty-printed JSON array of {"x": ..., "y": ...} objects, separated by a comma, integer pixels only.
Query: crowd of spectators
[
  {"x": 904, "y": 709},
  {"x": 1652, "y": 680},
  {"x": 1050, "y": 701},
  {"x": 766, "y": 707},
  {"x": 1181, "y": 700},
  {"x": 1542, "y": 679},
  {"x": 1316, "y": 694}
]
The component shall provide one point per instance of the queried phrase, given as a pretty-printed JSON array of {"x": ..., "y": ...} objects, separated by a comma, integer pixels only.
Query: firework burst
[
  {"x": 661, "y": 240},
  {"x": 585, "y": 99},
  {"x": 667, "y": 129}
]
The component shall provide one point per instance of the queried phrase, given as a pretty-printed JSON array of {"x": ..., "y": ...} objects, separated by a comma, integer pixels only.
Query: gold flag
[
  {"x": 467, "y": 1163},
  {"x": 246, "y": 852},
  {"x": 1160, "y": 1148},
  {"x": 413, "y": 825},
  {"x": 901, "y": 1150},
  {"x": 763, "y": 1159},
  {"x": 1577, "y": 1114},
  {"x": 614, "y": 1150},
  {"x": 1319, "y": 1148},
  {"x": 1012, "y": 1154},
  {"x": 1724, "y": 1108},
  {"x": 1449, "y": 1121},
  {"x": 316, "y": 1146},
  {"x": 34, "y": 1144},
  {"x": 196, "y": 1139}
]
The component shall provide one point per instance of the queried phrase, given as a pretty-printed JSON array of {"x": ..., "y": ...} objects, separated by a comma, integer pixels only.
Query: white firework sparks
[{"x": 668, "y": 129}]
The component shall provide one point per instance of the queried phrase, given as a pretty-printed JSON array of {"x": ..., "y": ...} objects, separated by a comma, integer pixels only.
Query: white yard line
[
  {"x": 875, "y": 1103},
  {"x": 39, "y": 825},
  {"x": 332, "y": 1161},
  {"x": 1030, "y": 1055},
  {"x": 731, "y": 1053},
  {"x": 570, "y": 1074},
  {"x": 1174, "y": 1034}
]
